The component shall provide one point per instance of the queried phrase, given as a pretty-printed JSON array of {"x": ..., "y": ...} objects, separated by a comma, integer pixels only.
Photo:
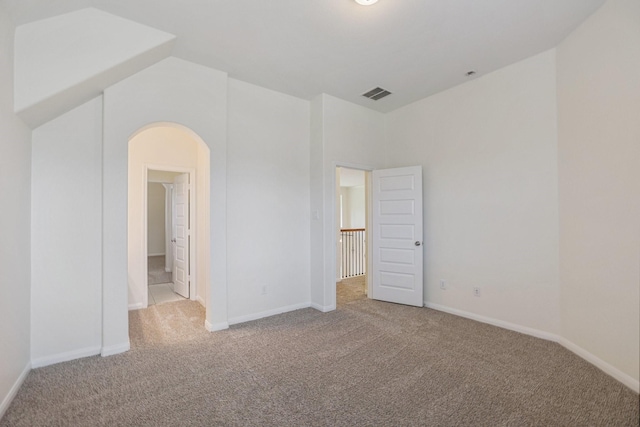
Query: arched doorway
[
  {"x": 167, "y": 147},
  {"x": 173, "y": 91},
  {"x": 174, "y": 150}
]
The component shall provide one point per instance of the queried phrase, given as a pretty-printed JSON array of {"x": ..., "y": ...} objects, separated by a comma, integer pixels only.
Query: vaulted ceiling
[{"x": 413, "y": 48}]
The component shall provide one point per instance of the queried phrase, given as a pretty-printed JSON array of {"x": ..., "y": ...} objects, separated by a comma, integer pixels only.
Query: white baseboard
[
  {"x": 612, "y": 371},
  {"x": 6, "y": 401},
  {"x": 201, "y": 300},
  {"x": 616, "y": 373},
  {"x": 136, "y": 306},
  {"x": 213, "y": 327},
  {"x": 323, "y": 308},
  {"x": 115, "y": 349},
  {"x": 155, "y": 254},
  {"x": 65, "y": 357},
  {"x": 495, "y": 322},
  {"x": 267, "y": 313}
]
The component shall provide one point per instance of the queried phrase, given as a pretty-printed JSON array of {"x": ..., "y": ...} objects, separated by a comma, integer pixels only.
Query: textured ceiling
[{"x": 414, "y": 48}]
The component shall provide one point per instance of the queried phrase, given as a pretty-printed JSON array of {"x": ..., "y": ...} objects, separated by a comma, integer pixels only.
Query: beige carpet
[
  {"x": 350, "y": 290},
  {"x": 156, "y": 272},
  {"x": 368, "y": 363}
]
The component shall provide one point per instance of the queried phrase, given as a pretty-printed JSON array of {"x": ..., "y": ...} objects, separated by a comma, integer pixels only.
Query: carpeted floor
[
  {"x": 368, "y": 363},
  {"x": 155, "y": 270},
  {"x": 350, "y": 290}
]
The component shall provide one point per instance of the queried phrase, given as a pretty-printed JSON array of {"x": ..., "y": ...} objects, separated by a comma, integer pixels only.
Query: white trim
[
  {"x": 115, "y": 349},
  {"x": 145, "y": 223},
  {"x": 215, "y": 327},
  {"x": 65, "y": 357},
  {"x": 495, "y": 322},
  {"x": 330, "y": 246},
  {"x": 267, "y": 313},
  {"x": 136, "y": 306},
  {"x": 162, "y": 254},
  {"x": 607, "y": 368},
  {"x": 168, "y": 226},
  {"x": 323, "y": 308},
  {"x": 14, "y": 390},
  {"x": 193, "y": 244}
]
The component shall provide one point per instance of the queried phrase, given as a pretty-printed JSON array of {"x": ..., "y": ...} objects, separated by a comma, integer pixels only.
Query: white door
[
  {"x": 397, "y": 235},
  {"x": 181, "y": 235}
]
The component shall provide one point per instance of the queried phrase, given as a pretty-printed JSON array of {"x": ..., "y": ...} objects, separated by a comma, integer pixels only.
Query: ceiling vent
[{"x": 377, "y": 93}]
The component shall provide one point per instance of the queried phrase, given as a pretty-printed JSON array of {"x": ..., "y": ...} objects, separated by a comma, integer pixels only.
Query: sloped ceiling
[
  {"x": 414, "y": 48},
  {"x": 63, "y": 61}
]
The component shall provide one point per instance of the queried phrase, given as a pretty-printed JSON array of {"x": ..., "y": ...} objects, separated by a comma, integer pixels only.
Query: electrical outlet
[
  {"x": 443, "y": 285},
  {"x": 476, "y": 291},
  {"x": 265, "y": 289}
]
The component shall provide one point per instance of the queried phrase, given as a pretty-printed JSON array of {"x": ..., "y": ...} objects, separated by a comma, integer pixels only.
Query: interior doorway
[
  {"x": 168, "y": 225},
  {"x": 351, "y": 235},
  {"x": 393, "y": 233},
  {"x": 168, "y": 216}
]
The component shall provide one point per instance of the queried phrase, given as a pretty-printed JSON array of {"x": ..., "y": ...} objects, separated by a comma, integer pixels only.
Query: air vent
[{"x": 377, "y": 93}]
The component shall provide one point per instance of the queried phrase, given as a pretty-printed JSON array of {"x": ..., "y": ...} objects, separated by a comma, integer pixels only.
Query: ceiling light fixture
[{"x": 366, "y": 2}]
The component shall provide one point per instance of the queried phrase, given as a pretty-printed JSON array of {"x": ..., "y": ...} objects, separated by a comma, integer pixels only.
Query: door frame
[
  {"x": 192, "y": 226},
  {"x": 334, "y": 226}
]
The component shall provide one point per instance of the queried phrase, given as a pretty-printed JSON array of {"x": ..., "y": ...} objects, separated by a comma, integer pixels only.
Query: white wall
[
  {"x": 15, "y": 193},
  {"x": 599, "y": 169},
  {"x": 345, "y": 218},
  {"x": 174, "y": 91},
  {"x": 488, "y": 149},
  {"x": 267, "y": 202},
  {"x": 156, "y": 208},
  {"x": 353, "y": 207},
  {"x": 316, "y": 196},
  {"x": 342, "y": 134},
  {"x": 66, "y": 238},
  {"x": 203, "y": 194},
  {"x": 161, "y": 146}
]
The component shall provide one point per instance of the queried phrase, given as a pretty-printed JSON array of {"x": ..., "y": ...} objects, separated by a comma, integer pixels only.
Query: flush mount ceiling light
[{"x": 366, "y": 2}]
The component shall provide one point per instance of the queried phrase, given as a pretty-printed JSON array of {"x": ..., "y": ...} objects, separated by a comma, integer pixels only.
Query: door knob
[
  {"x": 418, "y": 243},
  {"x": 173, "y": 240}
]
